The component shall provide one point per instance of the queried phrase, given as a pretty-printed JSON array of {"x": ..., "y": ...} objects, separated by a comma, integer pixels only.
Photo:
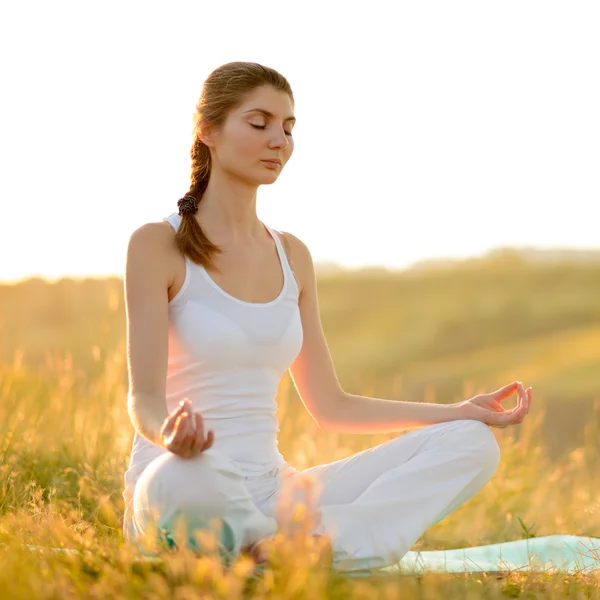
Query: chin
[
  {"x": 272, "y": 179},
  {"x": 268, "y": 178}
]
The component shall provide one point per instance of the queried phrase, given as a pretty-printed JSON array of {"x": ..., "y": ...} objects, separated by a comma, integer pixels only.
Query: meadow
[{"x": 434, "y": 335}]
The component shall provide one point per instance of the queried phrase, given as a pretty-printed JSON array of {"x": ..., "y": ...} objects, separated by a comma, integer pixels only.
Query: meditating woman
[{"x": 219, "y": 306}]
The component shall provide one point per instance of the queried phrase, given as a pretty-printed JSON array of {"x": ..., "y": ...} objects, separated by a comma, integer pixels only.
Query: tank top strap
[
  {"x": 284, "y": 251},
  {"x": 174, "y": 220}
]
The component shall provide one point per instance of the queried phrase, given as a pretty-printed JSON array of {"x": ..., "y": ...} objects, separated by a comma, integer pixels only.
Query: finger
[
  {"x": 181, "y": 439},
  {"x": 194, "y": 448},
  {"x": 177, "y": 432},
  {"x": 190, "y": 429},
  {"x": 210, "y": 438},
  {"x": 526, "y": 400},
  {"x": 506, "y": 391},
  {"x": 172, "y": 420},
  {"x": 523, "y": 402},
  {"x": 520, "y": 411},
  {"x": 187, "y": 442},
  {"x": 199, "y": 436},
  {"x": 173, "y": 416},
  {"x": 521, "y": 397}
]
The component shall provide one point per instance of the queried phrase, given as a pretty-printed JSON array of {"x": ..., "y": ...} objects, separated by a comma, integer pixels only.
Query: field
[{"x": 428, "y": 335}]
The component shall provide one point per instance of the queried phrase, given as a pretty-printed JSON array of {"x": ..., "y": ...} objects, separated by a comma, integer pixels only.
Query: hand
[
  {"x": 487, "y": 409},
  {"x": 182, "y": 433}
]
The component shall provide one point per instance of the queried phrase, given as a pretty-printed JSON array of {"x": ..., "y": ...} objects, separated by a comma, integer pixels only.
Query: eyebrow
[{"x": 269, "y": 114}]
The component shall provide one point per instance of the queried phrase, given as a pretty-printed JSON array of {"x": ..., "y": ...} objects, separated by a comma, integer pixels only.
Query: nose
[{"x": 279, "y": 140}]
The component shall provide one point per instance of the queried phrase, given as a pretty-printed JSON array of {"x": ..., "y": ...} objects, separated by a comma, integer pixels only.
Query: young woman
[{"x": 216, "y": 315}]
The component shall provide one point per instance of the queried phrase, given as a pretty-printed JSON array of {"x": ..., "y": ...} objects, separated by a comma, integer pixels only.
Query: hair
[{"x": 223, "y": 91}]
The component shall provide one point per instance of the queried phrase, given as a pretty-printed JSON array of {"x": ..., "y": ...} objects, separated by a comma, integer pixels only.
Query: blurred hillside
[
  {"x": 532, "y": 256},
  {"x": 427, "y": 333}
]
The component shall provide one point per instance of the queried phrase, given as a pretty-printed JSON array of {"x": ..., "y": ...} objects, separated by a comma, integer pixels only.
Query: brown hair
[{"x": 224, "y": 90}]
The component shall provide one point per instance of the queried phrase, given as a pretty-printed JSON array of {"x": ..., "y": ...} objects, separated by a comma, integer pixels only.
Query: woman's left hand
[{"x": 487, "y": 407}]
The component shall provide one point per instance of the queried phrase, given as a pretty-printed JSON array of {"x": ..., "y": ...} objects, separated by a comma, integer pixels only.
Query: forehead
[{"x": 270, "y": 99}]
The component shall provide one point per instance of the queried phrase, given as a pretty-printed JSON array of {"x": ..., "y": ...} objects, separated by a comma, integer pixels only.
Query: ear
[{"x": 206, "y": 134}]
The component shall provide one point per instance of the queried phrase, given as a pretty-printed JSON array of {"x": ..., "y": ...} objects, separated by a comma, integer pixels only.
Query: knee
[
  {"x": 184, "y": 495},
  {"x": 481, "y": 443},
  {"x": 172, "y": 484}
]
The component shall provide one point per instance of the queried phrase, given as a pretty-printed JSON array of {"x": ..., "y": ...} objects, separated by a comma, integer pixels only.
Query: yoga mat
[
  {"x": 566, "y": 553},
  {"x": 569, "y": 553}
]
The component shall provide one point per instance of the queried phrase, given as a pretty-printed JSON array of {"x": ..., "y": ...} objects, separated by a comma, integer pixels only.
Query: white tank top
[{"x": 228, "y": 356}]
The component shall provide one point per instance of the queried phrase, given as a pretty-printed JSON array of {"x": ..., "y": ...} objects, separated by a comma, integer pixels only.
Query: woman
[{"x": 216, "y": 315}]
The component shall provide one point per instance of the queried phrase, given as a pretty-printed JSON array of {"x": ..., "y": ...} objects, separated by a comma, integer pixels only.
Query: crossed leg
[
  {"x": 375, "y": 504},
  {"x": 372, "y": 505}
]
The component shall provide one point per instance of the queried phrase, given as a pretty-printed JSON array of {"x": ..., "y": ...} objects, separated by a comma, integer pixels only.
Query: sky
[{"x": 425, "y": 130}]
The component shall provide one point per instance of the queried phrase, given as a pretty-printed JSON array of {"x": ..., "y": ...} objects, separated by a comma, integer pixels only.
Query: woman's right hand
[{"x": 182, "y": 433}]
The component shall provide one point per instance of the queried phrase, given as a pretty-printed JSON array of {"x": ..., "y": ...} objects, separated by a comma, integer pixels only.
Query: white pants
[{"x": 373, "y": 505}]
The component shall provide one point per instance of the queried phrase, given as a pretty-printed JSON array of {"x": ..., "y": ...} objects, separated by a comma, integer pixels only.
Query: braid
[
  {"x": 200, "y": 169},
  {"x": 190, "y": 238}
]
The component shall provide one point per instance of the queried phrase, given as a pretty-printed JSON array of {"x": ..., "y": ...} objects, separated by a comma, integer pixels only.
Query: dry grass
[{"x": 65, "y": 439}]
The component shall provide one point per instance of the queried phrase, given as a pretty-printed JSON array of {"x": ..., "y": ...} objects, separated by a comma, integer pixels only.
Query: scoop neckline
[{"x": 219, "y": 289}]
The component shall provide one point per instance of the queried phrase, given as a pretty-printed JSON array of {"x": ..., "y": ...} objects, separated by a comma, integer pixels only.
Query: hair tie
[{"x": 188, "y": 205}]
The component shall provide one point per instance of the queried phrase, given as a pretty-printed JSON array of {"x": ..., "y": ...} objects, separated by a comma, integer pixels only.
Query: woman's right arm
[{"x": 147, "y": 280}]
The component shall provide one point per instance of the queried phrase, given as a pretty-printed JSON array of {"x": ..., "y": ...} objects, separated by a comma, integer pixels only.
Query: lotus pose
[{"x": 219, "y": 306}]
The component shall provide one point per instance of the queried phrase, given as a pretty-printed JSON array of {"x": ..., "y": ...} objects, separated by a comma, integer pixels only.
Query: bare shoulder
[
  {"x": 155, "y": 235},
  {"x": 301, "y": 258},
  {"x": 152, "y": 249}
]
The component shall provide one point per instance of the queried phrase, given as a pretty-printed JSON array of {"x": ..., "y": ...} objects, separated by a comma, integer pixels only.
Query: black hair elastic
[{"x": 187, "y": 205}]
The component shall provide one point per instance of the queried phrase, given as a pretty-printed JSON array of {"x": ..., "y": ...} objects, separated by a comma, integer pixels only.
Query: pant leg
[
  {"x": 201, "y": 491},
  {"x": 375, "y": 504}
]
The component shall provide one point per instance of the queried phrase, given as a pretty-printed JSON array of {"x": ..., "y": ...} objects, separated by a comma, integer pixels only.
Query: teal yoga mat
[{"x": 567, "y": 553}]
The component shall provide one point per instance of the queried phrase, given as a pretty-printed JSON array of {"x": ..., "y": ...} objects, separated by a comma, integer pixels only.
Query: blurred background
[
  {"x": 445, "y": 178},
  {"x": 425, "y": 130}
]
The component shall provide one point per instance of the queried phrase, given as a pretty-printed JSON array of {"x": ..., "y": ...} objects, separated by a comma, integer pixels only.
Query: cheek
[
  {"x": 252, "y": 143},
  {"x": 246, "y": 138},
  {"x": 290, "y": 148},
  {"x": 248, "y": 149},
  {"x": 241, "y": 142}
]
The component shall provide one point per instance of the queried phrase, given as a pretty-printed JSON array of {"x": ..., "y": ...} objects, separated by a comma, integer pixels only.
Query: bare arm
[
  {"x": 314, "y": 375},
  {"x": 372, "y": 415},
  {"x": 361, "y": 414},
  {"x": 315, "y": 379},
  {"x": 146, "y": 297}
]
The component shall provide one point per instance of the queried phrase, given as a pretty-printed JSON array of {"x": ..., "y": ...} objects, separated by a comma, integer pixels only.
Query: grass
[{"x": 65, "y": 439}]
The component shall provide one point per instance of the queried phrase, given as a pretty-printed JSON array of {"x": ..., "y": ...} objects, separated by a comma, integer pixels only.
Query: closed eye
[{"x": 264, "y": 126}]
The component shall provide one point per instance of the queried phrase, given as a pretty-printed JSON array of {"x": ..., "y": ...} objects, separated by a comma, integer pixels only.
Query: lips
[{"x": 275, "y": 162}]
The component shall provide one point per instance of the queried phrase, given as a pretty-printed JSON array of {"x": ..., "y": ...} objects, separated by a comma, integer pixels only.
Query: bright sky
[{"x": 425, "y": 129}]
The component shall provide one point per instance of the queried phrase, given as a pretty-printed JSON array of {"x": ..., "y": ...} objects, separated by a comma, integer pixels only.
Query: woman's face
[{"x": 259, "y": 130}]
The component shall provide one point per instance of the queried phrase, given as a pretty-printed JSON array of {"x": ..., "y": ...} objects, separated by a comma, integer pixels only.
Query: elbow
[{"x": 329, "y": 420}]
